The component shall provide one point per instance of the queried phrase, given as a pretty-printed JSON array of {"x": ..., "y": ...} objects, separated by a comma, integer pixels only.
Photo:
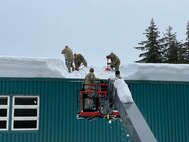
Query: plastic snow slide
[{"x": 131, "y": 117}]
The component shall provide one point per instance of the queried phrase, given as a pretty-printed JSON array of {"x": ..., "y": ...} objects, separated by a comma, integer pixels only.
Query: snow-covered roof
[
  {"x": 30, "y": 67},
  {"x": 161, "y": 72},
  {"x": 55, "y": 68}
]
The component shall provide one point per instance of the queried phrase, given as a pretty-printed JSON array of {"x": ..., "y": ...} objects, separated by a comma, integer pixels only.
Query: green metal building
[{"x": 45, "y": 109}]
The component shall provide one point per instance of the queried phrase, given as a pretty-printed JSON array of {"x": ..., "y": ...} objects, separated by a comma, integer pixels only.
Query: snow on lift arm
[{"x": 123, "y": 91}]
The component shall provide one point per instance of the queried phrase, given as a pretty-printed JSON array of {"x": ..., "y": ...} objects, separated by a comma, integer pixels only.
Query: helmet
[
  {"x": 91, "y": 70},
  {"x": 112, "y": 54}
]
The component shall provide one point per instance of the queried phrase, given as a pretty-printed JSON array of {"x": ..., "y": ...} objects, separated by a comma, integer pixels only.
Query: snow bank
[
  {"x": 55, "y": 68},
  {"x": 44, "y": 67},
  {"x": 161, "y": 72},
  {"x": 123, "y": 91},
  {"x": 31, "y": 67}
]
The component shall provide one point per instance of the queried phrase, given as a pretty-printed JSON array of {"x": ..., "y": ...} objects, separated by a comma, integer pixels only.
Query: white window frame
[
  {"x": 7, "y": 117},
  {"x": 35, "y": 118}
]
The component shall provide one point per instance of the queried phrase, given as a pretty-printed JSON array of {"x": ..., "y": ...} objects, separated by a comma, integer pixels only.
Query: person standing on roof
[
  {"x": 68, "y": 54},
  {"x": 115, "y": 61},
  {"x": 78, "y": 60}
]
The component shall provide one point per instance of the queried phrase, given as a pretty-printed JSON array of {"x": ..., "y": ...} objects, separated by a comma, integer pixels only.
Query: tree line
[{"x": 166, "y": 49}]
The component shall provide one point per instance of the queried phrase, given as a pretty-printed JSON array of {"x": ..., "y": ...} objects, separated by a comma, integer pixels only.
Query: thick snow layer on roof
[
  {"x": 44, "y": 67},
  {"x": 161, "y": 72},
  {"x": 31, "y": 67}
]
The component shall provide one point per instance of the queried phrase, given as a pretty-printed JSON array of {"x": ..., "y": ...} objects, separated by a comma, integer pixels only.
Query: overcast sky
[{"x": 94, "y": 28}]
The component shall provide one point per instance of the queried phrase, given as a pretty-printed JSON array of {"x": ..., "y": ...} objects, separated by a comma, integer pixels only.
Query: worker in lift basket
[{"x": 89, "y": 79}]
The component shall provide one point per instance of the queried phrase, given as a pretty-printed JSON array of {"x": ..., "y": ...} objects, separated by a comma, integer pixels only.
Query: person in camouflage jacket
[
  {"x": 89, "y": 79},
  {"x": 78, "y": 60},
  {"x": 68, "y": 54},
  {"x": 115, "y": 61}
]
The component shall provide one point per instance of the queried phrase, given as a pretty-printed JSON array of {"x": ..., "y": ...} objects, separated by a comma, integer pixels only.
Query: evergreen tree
[
  {"x": 181, "y": 52},
  {"x": 170, "y": 47},
  {"x": 186, "y": 44},
  {"x": 151, "y": 47}
]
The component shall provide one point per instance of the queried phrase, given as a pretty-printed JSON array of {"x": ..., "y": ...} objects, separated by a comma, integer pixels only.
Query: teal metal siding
[
  {"x": 57, "y": 122},
  {"x": 165, "y": 106}
]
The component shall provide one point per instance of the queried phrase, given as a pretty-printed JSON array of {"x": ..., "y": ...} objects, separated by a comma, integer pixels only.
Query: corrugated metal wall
[
  {"x": 58, "y": 111},
  {"x": 165, "y": 106}
]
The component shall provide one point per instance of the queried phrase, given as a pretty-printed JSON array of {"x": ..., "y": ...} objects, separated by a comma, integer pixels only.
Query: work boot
[
  {"x": 73, "y": 69},
  {"x": 69, "y": 70}
]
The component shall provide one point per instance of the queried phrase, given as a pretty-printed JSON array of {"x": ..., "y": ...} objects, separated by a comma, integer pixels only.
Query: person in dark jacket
[
  {"x": 79, "y": 60},
  {"x": 115, "y": 61}
]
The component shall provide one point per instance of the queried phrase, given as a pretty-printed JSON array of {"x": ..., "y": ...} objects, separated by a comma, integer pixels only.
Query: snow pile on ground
[
  {"x": 55, "y": 68},
  {"x": 123, "y": 91}
]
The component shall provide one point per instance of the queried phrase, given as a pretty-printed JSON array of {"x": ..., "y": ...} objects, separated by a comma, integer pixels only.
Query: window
[
  {"x": 25, "y": 114},
  {"x": 4, "y": 112}
]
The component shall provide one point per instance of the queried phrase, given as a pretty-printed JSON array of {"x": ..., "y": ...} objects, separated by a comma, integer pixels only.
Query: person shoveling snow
[{"x": 115, "y": 62}]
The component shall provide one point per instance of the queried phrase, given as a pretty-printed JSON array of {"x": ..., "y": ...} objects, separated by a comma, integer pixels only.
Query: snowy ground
[{"x": 44, "y": 67}]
